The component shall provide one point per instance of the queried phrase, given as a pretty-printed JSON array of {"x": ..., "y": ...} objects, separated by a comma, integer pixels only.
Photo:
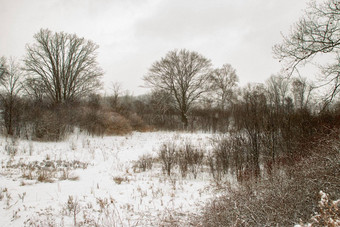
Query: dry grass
[{"x": 46, "y": 171}]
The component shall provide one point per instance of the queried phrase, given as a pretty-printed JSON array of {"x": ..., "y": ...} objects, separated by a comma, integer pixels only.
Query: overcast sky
[{"x": 132, "y": 34}]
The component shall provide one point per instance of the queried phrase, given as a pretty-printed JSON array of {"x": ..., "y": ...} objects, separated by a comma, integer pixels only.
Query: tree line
[{"x": 60, "y": 74}]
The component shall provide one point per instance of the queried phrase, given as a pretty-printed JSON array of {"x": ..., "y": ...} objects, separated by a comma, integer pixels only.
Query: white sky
[{"x": 132, "y": 34}]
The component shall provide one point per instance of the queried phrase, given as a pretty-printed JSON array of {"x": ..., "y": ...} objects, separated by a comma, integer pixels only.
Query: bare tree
[
  {"x": 223, "y": 80},
  {"x": 10, "y": 86},
  {"x": 255, "y": 107},
  {"x": 331, "y": 76},
  {"x": 277, "y": 87},
  {"x": 64, "y": 64},
  {"x": 301, "y": 89},
  {"x": 2, "y": 66},
  {"x": 183, "y": 74},
  {"x": 161, "y": 103},
  {"x": 117, "y": 92},
  {"x": 277, "y": 90},
  {"x": 35, "y": 88},
  {"x": 316, "y": 34},
  {"x": 250, "y": 119}
]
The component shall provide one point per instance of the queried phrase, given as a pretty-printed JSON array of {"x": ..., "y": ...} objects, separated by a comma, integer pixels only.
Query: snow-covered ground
[{"x": 91, "y": 181}]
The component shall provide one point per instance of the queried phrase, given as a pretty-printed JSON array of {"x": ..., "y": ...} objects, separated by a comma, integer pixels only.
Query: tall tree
[
  {"x": 184, "y": 75},
  {"x": 255, "y": 108},
  {"x": 223, "y": 80},
  {"x": 277, "y": 87},
  {"x": 162, "y": 108},
  {"x": 277, "y": 90},
  {"x": 250, "y": 116},
  {"x": 10, "y": 87},
  {"x": 114, "y": 99},
  {"x": 64, "y": 64},
  {"x": 317, "y": 33},
  {"x": 301, "y": 90}
]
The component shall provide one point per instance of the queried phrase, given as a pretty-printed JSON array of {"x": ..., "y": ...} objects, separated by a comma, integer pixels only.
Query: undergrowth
[{"x": 288, "y": 196}]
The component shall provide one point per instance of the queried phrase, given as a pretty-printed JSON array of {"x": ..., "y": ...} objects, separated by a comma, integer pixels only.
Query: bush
[
  {"x": 51, "y": 126},
  {"x": 137, "y": 123},
  {"x": 229, "y": 155},
  {"x": 185, "y": 156},
  {"x": 168, "y": 155},
  {"x": 92, "y": 122},
  {"x": 101, "y": 122},
  {"x": 189, "y": 158},
  {"x": 329, "y": 214},
  {"x": 44, "y": 122},
  {"x": 116, "y": 124},
  {"x": 144, "y": 163}
]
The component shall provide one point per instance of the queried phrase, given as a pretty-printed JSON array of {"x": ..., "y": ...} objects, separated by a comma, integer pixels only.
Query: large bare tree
[
  {"x": 223, "y": 81},
  {"x": 317, "y": 33},
  {"x": 64, "y": 64},
  {"x": 10, "y": 87},
  {"x": 184, "y": 75}
]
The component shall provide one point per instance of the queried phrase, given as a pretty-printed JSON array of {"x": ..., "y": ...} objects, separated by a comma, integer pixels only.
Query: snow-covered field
[{"x": 92, "y": 181}]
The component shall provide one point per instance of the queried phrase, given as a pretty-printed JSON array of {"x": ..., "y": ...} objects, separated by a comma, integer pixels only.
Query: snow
[{"x": 101, "y": 186}]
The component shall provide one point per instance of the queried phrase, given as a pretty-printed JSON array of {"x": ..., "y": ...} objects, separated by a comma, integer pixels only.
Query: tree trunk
[{"x": 184, "y": 120}]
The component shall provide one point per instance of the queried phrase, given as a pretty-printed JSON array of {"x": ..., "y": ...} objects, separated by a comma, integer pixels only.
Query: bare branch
[
  {"x": 223, "y": 80},
  {"x": 63, "y": 64},
  {"x": 183, "y": 74},
  {"x": 316, "y": 33}
]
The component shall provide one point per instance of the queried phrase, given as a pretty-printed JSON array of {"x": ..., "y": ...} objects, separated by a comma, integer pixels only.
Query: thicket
[
  {"x": 41, "y": 120},
  {"x": 287, "y": 196},
  {"x": 280, "y": 164},
  {"x": 186, "y": 157},
  {"x": 271, "y": 165}
]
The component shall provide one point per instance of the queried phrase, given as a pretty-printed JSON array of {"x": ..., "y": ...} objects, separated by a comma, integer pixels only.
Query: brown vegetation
[{"x": 286, "y": 196}]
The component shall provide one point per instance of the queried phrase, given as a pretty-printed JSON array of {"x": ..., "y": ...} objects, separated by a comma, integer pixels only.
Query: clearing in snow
[{"x": 98, "y": 181}]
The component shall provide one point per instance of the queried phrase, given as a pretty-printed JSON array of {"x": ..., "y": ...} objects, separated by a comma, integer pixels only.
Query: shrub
[
  {"x": 50, "y": 126},
  {"x": 144, "y": 163},
  {"x": 220, "y": 157},
  {"x": 329, "y": 214},
  {"x": 137, "y": 123},
  {"x": 92, "y": 122},
  {"x": 102, "y": 122},
  {"x": 229, "y": 154},
  {"x": 116, "y": 124},
  {"x": 185, "y": 156},
  {"x": 45, "y": 176},
  {"x": 167, "y": 155},
  {"x": 189, "y": 158},
  {"x": 41, "y": 121}
]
